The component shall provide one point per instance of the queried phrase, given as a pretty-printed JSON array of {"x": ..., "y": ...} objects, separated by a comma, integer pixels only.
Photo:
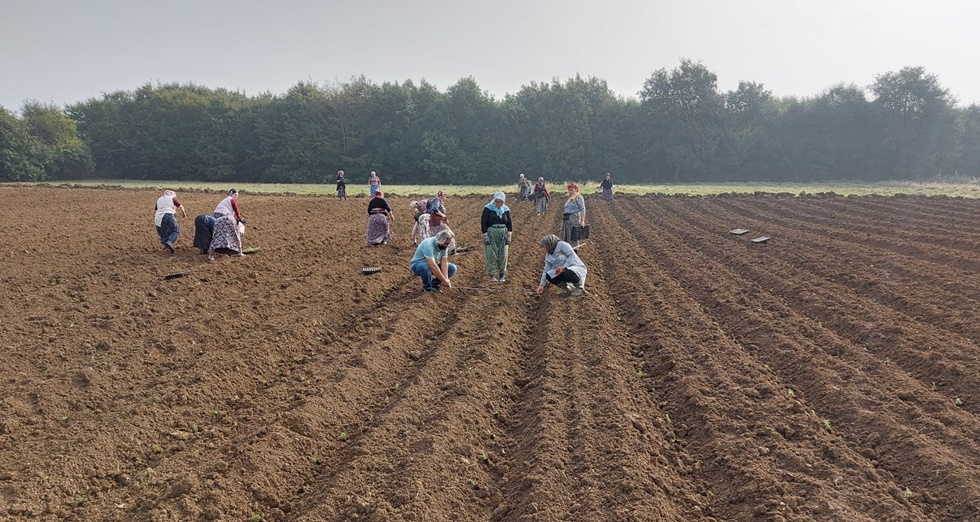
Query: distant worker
[
  {"x": 523, "y": 188},
  {"x": 341, "y": 185},
  {"x": 438, "y": 220},
  {"x": 541, "y": 197},
  {"x": 497, "y": 232},
  {"x": 374, "y": 182},
  {"x": 573, "y": 213},
  {"x": 165, "y": 219},
  {"x": 562, "y": 267},
  {"x": 607, "y": 186},
  {"x": 431, "y": 262}
]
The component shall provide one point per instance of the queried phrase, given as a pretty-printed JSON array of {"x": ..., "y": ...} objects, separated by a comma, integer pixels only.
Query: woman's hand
[{"x": 540, "y": 290}]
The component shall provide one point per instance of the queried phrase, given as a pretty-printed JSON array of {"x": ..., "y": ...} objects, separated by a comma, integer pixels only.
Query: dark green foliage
[{"x": 679, "y": 129}]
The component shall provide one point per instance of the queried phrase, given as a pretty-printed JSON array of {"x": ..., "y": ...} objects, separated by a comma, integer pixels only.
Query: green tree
[{"x": 21, "y": 155}]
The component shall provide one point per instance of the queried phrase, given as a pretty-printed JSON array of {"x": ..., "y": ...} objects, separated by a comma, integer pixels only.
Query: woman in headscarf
[
  {"x": 341, "y": 185},
  {"x": 523, "y": 188},
  {"x": 541, "y": 196},
  {"x": 165, "y": 219},
  {"x": 379, "y": 220},
  {"x": 573, "y": 214},
  {"x": 497, "y": 231},
  {"x": 562, "y": 267},
  {"x": 607, "y": 185},
  {"x": 229, "y": 206},
  {"x": 438, "y": 221},
  {"x": 227, "y": 237},
  {"x": 374, "y": 182}
]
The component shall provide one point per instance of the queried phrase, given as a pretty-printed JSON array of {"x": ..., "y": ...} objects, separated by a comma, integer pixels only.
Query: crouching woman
[{"x": 562, "y": 267}]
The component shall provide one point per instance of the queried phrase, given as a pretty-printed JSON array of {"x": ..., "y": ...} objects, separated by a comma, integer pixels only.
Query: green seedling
[
  {"x": 958, "y": 401},
  {"x": 907, "y": 493},
  {"x": 826, "y": 424},
  {"x": 343, "y": 436},
  {"x": 791, "y": 393}
]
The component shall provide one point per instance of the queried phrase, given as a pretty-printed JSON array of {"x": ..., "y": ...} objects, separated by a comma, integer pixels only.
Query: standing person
[
  {"x": 379, "y": 220},
  {"x": 374, "y": 182},
  {"x": 438, "y": 219},
  {"x": 541, "y": 197},
  {"x": 165, "y": 219},
  {"x": 497, "y": 232},
  {"x": 229, "y": 206},
  {"x": 607, "y": 186},
  {"x": 523, "y": 188},
  {"x": 573, "y": 214},
  {"x": 431, "y": 262},
  {"x": 341, "y": 185},
  {"x": 562, "y": 267}
]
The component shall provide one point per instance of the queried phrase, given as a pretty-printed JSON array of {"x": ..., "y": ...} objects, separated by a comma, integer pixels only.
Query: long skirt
[
  {"x": 420, "y": 230},
  {"x": 495, "y": 254},
  {"x": 168, "y": 229},
  {"x": 203, "y": 230},
  {"x": 227, "y": 234},
  {"x": 568, "y": 222},
  {"x": 378, "y": 229},
  {"x": 607, "y": 194},
  {"x": 540, "y": 204}
]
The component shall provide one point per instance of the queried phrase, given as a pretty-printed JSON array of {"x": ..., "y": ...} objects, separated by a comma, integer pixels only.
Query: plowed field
[{"x": 831, "y": 373}]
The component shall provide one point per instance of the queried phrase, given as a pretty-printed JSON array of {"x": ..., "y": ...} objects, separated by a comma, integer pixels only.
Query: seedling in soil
[
  {"x": 907, "y": 493},
  {"x": 667, "y": 417},
  {"x": 826, "y": 424},
  {"x": 791, "y": 393},
  {"x": 343, "y": 436},
  {"x": 484, "y": 457},
  {"x": 958, "y": 401},
  {"x": 315, "y": 461},
  {"x": 156, "y": 448}
]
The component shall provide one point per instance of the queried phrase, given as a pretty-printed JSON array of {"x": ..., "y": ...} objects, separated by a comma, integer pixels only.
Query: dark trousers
[{"x": 566, "y": 276}]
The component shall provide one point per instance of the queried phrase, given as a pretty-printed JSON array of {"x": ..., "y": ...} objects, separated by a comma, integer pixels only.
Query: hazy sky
[{"x": 64, "y": 51}]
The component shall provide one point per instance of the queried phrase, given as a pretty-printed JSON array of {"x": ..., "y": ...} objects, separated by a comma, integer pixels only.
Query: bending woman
[{"x": 562, "y": 267}]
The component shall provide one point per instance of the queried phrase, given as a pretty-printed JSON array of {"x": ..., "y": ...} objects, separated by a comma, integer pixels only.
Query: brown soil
[{"x": 829, "y": 374}]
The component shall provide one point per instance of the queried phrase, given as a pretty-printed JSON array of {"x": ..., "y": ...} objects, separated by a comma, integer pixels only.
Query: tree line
[{"x": 681, "y": 128}]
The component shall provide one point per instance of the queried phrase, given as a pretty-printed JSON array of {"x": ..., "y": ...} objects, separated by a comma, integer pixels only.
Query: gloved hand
[
  {"x": 508, "y": 240},
  {"x": 486, "y": 239}
]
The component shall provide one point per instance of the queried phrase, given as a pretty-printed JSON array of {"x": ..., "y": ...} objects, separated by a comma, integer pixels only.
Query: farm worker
[
  {"x": 523, "y": 188},
  {"x": 375, "y": 183},
  {"x": 497, "y": 232},
  {"x": 166, "y": 218},
  {"x": 573, "y": 213},
  {"x": 227, "y": 237},
  {"x": 562, "y": 267},
  {"x": 431, "y": 262},
  {"x": 203, "y": 232},
  {"x": 379, "y": 220},
  {"x": 341, "y": 185},
  {"x": 229, "y": 206},
  {"x": 607, "y": 185},
  {"x": 541, "y": 197},
  {"x": 438, "y": 219}
]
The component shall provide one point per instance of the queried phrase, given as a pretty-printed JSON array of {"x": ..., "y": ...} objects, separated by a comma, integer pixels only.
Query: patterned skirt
[
  {"x": 378, "y": 229},
  {"x": 226, "y": 234}
]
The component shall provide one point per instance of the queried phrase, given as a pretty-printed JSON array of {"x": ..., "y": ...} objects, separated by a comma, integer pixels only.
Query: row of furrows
[
  {"x": 723, "y": 400},
  {"x": 903, "y": 291},
  {"x": 887, "y": 240},
  {"x": 911, "y": 344},
  {"x": 593, "y": 444},
  {"x": 840, "y": 379},
  {"x": 958, "y": 212},
  {"x": 351, "y": 345},
  {"x": 444, "y": 418}
]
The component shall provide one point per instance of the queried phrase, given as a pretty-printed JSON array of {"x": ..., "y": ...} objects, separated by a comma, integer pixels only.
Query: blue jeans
[
  {"x": 421, "y": 269},
  {"x": 168, "y": 229}
]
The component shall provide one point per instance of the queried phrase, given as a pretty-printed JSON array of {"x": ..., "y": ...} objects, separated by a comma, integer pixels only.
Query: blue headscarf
[{"x": 503, "y": 208}]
